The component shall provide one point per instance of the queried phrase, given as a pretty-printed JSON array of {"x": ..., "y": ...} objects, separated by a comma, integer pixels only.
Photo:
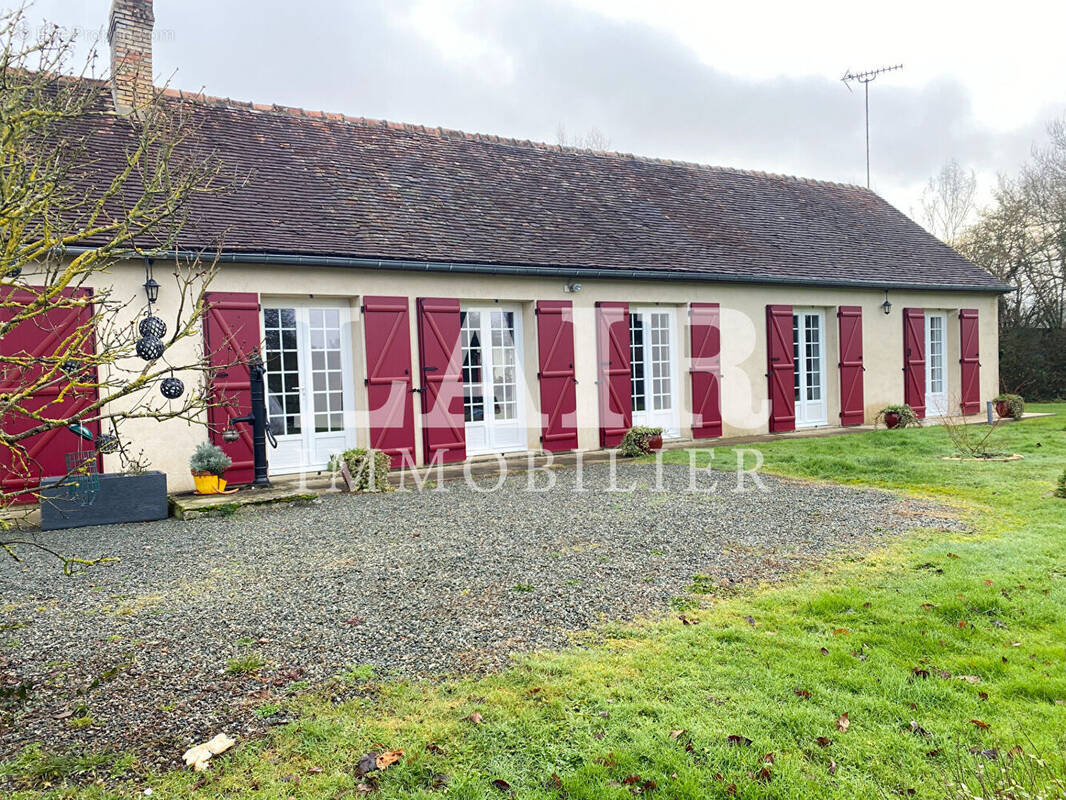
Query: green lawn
[{"x": 963, "y": 634}]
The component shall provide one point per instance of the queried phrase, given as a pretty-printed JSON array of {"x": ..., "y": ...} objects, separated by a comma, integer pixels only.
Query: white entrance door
[
  {"x": 653, "y": 369},
  {"x": 493, "y": 379},
  {"x": 309, "y": 383},
  {"x": 936, "y": 375},
  {"x": 808, "y": 348}
]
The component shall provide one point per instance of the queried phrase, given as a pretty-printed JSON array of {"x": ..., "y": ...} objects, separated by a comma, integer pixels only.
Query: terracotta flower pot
[
  {"x": 892, "y": 419},
  {"x": 655, "y": 443},
  {"x": 206, "y": 483},
  {"x": 1002, "y": 409}
]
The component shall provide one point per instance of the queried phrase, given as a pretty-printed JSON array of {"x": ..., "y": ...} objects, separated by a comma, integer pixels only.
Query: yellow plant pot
[{"x": 209, "y": 484}]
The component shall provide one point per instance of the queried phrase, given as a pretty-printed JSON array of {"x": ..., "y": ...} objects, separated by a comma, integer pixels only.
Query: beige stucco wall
[{"x": 744, "y": 388}]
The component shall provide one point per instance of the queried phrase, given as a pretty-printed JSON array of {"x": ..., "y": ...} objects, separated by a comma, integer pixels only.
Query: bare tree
[
  {"x": 947, "y": 203},
  {"x": 69, "y": 212},
  {"x": 592, "y": 139}
]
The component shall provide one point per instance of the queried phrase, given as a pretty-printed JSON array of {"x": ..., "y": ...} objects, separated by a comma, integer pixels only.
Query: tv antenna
[{"x": 866, "y": 78}]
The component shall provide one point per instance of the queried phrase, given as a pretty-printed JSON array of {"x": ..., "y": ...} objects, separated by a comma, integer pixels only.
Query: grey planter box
[{"x": 117, "y": 498}]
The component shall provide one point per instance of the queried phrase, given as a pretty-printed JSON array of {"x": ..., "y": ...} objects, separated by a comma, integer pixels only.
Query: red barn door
[
  {"x": 852, "y": 403},
  {"x": 231, "y": 335},
  {"x": 387, "y": 329},
  {"x": 781, "y": 368},
  {"x": 558, "y": 393},
  {"x": 914, "y": 359},
  {"x": 706, "y": 371},
  {"x": 44, "y": 337},
  {"x": 443, "y": 422},
  {"x": 615, "y": 381},
  {"x": 970, "y": 361}
]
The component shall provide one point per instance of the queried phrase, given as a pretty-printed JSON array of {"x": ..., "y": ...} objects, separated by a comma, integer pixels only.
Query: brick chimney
[{"x": 129, "y": 33}]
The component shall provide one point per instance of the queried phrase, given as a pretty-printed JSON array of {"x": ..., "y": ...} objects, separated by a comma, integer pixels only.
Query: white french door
[
  {"x": 493, "y": 379},
  {"x": 310, "y": 396},
  {"x": 808, "y": 349},
  {"x": 936, "y": 374},
  {"x": 653, "y": 369}
]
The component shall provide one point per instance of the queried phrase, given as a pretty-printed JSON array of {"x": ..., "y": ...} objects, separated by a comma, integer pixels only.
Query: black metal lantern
[
  {"x": 172, "y": 388},
  {"x": 151, "y": 289},
  {"x": 150, "y": 348},
  {"x": 887, "y": 305},
  {"x": 153, "y": 326}
]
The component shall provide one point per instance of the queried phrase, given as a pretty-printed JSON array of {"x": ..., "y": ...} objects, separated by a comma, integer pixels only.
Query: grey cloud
[{"x": 639, "y": 85}]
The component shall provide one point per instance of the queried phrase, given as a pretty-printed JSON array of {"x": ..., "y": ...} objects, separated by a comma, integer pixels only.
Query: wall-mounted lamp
[
  {"x": 573, "y": 286},
  {"x": 151, "y": 288},
  {"x": 887, "y": 305}
]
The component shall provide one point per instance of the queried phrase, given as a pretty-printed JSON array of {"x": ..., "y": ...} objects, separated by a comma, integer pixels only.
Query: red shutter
[
  {"x": 852, "y": 403},
  {"x": 914, "y": 359},
  {"x": 970, "y": 352},
  {"x": 558, "y": 395},
  {"x": 615, "y": 387},
  {"x": 43, "y": 336},
  {"x": 443, "y": 424},
  {"x": 781, "y": 368},
  {"x": 387, "y": 328},
  {"x": 706, "y": 334},
  {"x": 231, "y": 335}
]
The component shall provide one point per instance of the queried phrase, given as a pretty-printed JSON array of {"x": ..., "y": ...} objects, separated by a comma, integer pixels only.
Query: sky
[{"x": 750, "y": 85}]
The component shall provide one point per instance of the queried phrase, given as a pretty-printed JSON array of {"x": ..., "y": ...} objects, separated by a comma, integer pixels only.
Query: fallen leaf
[
  {"x": 764, "y": 775},
  {"x": 688, "y": 621},
  {"x": 832, "y": 767},
  {"x": 197, "y": 757},
  {"x": 439, "y": 781},
  {"x": 677, "y": 734},
  {"x": 928, "y": 606},
  {"x": 555, "y": 782},
  {"x": 823, "y": 741},
  {"x": 476, "y": 718},
  {"x": 932, "y": 753},
  {"x": 825, "y": 652},
  {"x": 920, "y": 673},
  {"x": 918, "y": 730},
  {"x": 802, "y": 693},
  {"x": 979, "y": 724},
  {"x": 629, "y": 780},
  {"x": 943, "y": 673},
  {"x": 388, "y": 758},
  {"x": 314, "y": 771},
  {"x": 969, "y": 678},
  {"x": 434, "y": 748},
  {"x": 502, "y": 785},
  {"x": 952, "y": 555},
  {"x": 731, "y": 790},
  {"x": 368, "y": 762},
  {"x": 843, "y": 723},
  {"x": 736, "y": 740},
  {"x": 751, "y": 620},
  {"x": 1016, "y": 751},
  {"x": 768, "y": 758},
  {"x": 988, "y": 582},
  {"x": 841, "y": 632},
  {"x": 982, "y": 695}
]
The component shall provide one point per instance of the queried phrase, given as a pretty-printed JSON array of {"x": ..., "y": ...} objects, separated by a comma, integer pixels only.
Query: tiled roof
[{"x": 329, "y": 185}]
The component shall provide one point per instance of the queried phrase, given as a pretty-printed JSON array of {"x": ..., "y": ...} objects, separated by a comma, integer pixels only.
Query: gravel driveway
[{"x": 134, "y": 655}]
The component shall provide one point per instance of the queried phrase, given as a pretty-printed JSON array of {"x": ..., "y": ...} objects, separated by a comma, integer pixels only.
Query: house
[{"x": 444, "y": 296}]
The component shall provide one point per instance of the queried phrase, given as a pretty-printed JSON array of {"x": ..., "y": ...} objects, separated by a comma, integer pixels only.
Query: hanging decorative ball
[
  {"x": 231, "y": 435},
  {"x": 150, "y": 348},
  {"x": 153, "y": 326},
  {"x": 106, "y": 443},
  {"x": 172, "y": 388},
  {"x": 72, "y": 368}
]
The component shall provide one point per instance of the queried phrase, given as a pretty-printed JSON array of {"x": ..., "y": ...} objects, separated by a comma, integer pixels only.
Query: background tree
[
  {"x": 1021, "y": 239},
  {"x": 947, "y": 203},
  {"x": 592, "y": 139},
  {"x": 67, "y": 214}
]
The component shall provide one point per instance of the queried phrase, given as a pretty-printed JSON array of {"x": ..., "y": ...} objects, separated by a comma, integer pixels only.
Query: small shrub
[
  {"x": 247, "y": 664},
  {"x": 1060, "y": 490},
  {"x": 369, "y": 469},
  {"x": 1015, "y": 404},
  {"x": 635, "y": 442},
  {"x": 992, "y": 772},
  {"x": 907, "y": 417},
  {"x": 209, "y": 459}
]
